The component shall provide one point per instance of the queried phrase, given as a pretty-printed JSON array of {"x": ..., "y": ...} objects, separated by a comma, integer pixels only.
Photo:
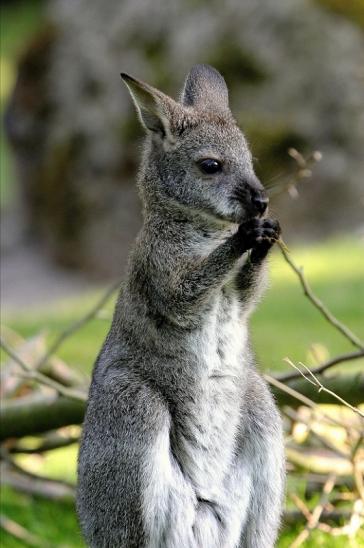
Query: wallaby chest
[{"x": 212, "y": 417}]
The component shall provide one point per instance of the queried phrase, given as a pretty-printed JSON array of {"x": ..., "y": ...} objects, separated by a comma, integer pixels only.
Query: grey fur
[{"x": 182, "y": 443}]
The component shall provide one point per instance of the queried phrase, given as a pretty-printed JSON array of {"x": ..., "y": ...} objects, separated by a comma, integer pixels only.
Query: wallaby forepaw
[
  {"x": 271, "y": 231},
  {"x": 258, "y": 234}
]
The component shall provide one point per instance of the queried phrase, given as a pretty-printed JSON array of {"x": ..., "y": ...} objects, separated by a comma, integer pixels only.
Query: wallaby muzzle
[
  {"x": 253, "y": 197},
  {"x": 260, "y": 202}
]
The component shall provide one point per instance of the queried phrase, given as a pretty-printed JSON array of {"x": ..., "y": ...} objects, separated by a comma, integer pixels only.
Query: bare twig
[
  {"x": 19, "y": 532},
  {"x": 294, "y": 517},
  {"x": 350, "y": 529},
  {"x": 300, "y": 505},
  {"x": 300, "y": 397},
  {"x": 302, "y": 171},
  {"x": 31, "y": 374},
  {"x": 70, "y": 330},
  {"x": 296, "y": 395},
  {"x": 324, "y": 366},
  {"x": 47, "y": 443},
  {"x": 314, "y": 518},
  {"x": 358, "y": 473},
  {"x": 343, "y": 329},
  {"x": 293, "y": 415},
  {"x": 278, "y": 384},
  {"x": 315, "y": 381},
  {"x": 22, "y": 480}
]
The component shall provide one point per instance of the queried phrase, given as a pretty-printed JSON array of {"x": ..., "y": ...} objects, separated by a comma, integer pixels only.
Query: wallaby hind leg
[{"x": 264, "y": 455}]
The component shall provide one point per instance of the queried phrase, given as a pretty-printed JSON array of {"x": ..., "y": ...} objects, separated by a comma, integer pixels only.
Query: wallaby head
[{"x": 196, "y": 159}]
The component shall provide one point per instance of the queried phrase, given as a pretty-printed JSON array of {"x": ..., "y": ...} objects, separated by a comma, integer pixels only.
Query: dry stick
[
  {"x": 294, "y": 416},
  {"x": 303, "y": 508},
  {"x": 20, "y": 479},
  {"x": 70, "y": 330},
  {"x": 19, "y": 532},
  {"x": 43, "y": 487},
  {"x": 292, "y": 517},
  {"x": 313, "y": 521},
  {"x": 29, "y": 373},
  {"x": 324, "y": 366},
  {"x": 6, "y": 457},
  {"x": 344, "y": 330},
  {"x": 321, "y": 387},
  {"x": 303, "y": 399},
  {"x": 350, "y": 529},
  {"x": 291, "y": 391},
  {"x": 353, "y": 517},
  {"x": 54, "y": 442},
  {"x": 302, "y": 171},
  {"x": 358, "y": 475},
  {"x": 358, "y": 478}
]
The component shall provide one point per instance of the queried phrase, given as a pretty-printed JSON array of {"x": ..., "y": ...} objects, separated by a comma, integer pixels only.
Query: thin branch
[
  {"x": 22, "y": 480},
  {"x": 315, "y": 515},
  {"x": 324, "y": 366},
  {"x": 358, "y": 473},
  {"x": 20, "y": 533},
  {"x": 314, "y": 380},
  {"x": 294, "y": 416},
  {"x": 31, "y": 374},
  {"x": 294, "y": 517},
  {"x": 70, "y": 330},
  {"x": 291, "y": 391},
  {"x": 54, "y": 441},
  {"x": 303, "y": 508},
  {"x": 300, "y": 397},
  {"x": 289, "y": 181},
  {"x": 344, "y": 330},
  {"x": 9, "y": 462},
  {"x": 351, "y": 528}
]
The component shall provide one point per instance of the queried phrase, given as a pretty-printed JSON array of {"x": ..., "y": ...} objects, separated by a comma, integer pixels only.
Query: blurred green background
[{"x": 69, "y": 205}]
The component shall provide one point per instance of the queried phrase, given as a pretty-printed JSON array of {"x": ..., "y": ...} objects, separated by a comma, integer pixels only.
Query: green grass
[
  {"x": 285, "y": 324},
  {"x": 53, "y": 523}
]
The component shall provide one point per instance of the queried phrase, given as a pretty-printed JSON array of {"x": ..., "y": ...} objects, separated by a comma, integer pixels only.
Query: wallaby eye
[{"x": 209, "y": 166}]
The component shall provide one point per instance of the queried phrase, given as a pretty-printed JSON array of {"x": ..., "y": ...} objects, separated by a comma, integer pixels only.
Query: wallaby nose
[{"x": 260, "y": 203}]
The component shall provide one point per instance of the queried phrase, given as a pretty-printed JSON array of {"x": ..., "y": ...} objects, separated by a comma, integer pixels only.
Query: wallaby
[{"x": 182, "y": 442}]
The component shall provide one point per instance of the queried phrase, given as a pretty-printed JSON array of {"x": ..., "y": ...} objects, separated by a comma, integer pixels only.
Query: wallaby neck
[{"x": 177, "y": 219}]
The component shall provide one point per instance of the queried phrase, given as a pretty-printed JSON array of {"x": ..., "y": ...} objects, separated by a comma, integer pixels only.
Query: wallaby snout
[
  {"x": 253, "y": 197},
  {"x": 258, "y": 196},
  {"x": 260, "y": 201}
]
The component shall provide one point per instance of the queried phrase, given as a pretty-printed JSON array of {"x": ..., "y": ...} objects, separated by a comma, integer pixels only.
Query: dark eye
[{"x": 209, "y": 166}]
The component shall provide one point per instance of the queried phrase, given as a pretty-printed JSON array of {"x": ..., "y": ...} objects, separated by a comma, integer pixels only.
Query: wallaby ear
[
  {"x": 205, "y": 88},
  {"x": 154, "y": 107}
]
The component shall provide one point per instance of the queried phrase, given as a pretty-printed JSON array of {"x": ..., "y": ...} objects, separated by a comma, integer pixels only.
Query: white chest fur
[{"x": 207, "y": 450}]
